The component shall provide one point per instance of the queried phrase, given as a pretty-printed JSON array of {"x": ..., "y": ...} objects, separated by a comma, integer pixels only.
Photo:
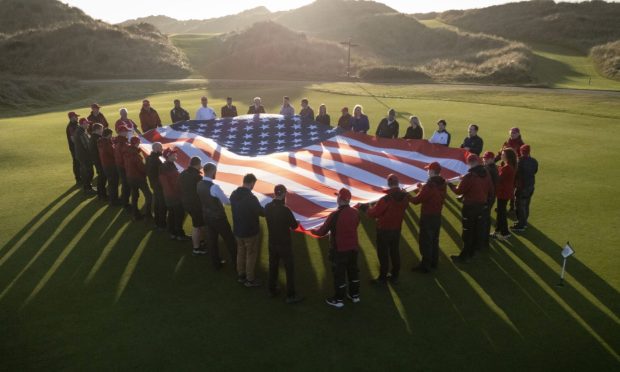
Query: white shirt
[
  {"x": 440, "y": 138},
  {"x": 205, "y": 113},
  {"x": 217, "y": 192}
]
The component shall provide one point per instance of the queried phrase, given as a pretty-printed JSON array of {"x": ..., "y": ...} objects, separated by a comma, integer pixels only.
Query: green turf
[{"x": 83, "y": 288}]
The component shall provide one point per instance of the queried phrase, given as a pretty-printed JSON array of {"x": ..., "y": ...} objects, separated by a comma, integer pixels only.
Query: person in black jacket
[
  {"x": 388, "y": 127},
  {"x": 472, "y": 142},
  {"x": 97, "y": 131},
  {"x": 323, "y": 117},
  {"x": 525, "y": 180},
  {"x": 212, "y": 199},
  {"x": 189, "y": 179},
  {"x": 81, "y": 140},
  {"x": 280, "y": 223},
  {"x": 415, "y": 130},
  {"x": 71, "y": 127},
  {"x": 178, "y": 113},
  {"x": 306, "y": 114},
  {"x": 246, "y": 210},
  {"x": 230, "y": 110},
  {"x": 153, "y": 163},
  {"x": 488, "y": 160},
  {"x": 257, "y": 107}
]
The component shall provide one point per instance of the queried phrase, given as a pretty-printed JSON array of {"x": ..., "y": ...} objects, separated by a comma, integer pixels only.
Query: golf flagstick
[{"x": 566, "y": 253}]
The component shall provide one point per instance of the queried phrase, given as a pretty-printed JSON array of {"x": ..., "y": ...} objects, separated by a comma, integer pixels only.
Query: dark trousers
[
  {"x": 112, "y": 177},
  {"x": 76, "y": 167},
  {"x": 102, "y": 181},
  {"x": 501, "y": 225},
  {"x": 159, "y": 206},
  {"x": 282, "y": 253},
  {"x": 87, "y": 174},
  {"x": 487, "y": 223},
  {"x": 176, "y": 215},
  {"x": 215, "y": 229},
  {"x": 125, "y": 190},
  {"x": 430, "y": 226},
  {"x": 137, "y": 185},
  {"x": 524, "y": 197},
  {"x": 473, "y": 229},
  {"x": 344, "y": 266},
  {"x": 388, "y": 242}
]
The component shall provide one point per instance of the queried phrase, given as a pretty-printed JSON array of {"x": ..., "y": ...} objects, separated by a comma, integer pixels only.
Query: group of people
[{"x": 170, "y": 195}]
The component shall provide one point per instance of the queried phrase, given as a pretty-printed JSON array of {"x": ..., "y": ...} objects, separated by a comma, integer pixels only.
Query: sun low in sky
[{"x": 116, "y": 11}]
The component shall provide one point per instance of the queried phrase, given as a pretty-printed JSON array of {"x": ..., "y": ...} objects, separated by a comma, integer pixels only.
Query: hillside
[
  {"x": 607, "y": 59},
  {"x": 580, "y": 26},
  {"x": 224, "y": 24},
  {"x": 71, "y": 44},
  {"x": 21, "y": 15},
  {"x": 268, "y": 50}
]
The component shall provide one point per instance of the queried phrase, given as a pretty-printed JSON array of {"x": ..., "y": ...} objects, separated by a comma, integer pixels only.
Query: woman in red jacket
[{"x": 505, "y": 192}]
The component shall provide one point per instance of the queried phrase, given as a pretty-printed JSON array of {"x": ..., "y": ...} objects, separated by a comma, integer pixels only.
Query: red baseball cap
[
  {"x": 279, "y": 190},
  {"x": 169, "y": 151},
  {"x": 434, "y": 166},
  {"x": 73, "y": 114},
  {"x": 473, "y": 158},
  {"x": 134, "y": 140},
  {"x": 95, "y": 106},
  {"x": 344, "y": 194},
  {"x": 488, "y": 155},
  {"x": 515, "y": 131},
  {"x": 525, "y": 149}
]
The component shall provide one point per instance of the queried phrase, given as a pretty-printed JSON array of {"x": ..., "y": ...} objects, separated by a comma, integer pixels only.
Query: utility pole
[{"x": 349, "y": 45}]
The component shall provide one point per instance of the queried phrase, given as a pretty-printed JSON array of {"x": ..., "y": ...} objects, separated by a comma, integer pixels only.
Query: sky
[{"x": 115, "y": 11}]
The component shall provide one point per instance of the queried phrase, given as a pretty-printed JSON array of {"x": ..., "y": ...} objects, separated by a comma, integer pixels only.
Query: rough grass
[
  {"x": 607, "y": 59},
  {"x": 82, "y": 287}
]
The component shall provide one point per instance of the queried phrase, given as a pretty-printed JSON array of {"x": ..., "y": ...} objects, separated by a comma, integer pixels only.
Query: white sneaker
[{"x": 355, "y": 299}]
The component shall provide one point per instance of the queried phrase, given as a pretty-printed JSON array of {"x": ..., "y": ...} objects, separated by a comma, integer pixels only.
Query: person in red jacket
[
  {"x": 389, "y": 213},
  {"x": 136, "y": 177},
  {"x": 477, "y": 188},
  {"x": 169, "y": 180},
  {"x": 505, "y": 192},
  {"x": 432, "y": 196},
  {"x": 121, "y": 143},
  {"x": 106, "y": 156},
  {"x": 341, "y": 225},
  {"x": 126, "y": 122},
  {"x": 149, "y": 118}
]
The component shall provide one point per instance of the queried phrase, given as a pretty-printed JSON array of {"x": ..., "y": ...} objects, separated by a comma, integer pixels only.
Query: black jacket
[
  {"x": 494, "y": 173},
  {"x": 280, "y": 222},
  {"x": 229, "y": 112},
  {"x": 71, "y": 128},
  {"x": 306, "y": 114},
  {"x": 246, "y": 210},
  {"x": 178, "y": 114},
  {"x": 526, "y": 173},
  {"x": 414, "y": 133},
  {"x": 474, "y": 143},
  {"x": 81, "y": 140},
  {"x": 94, "y": 149},
  {"x": 188, "y": 179},
  {"x": 153, "y": 163},
  {"x": 252, "y": 110},
  {"x": 325, "y": 119},
  {"x": 386, "y": 130},
  {"x": 212, "y": 207}
]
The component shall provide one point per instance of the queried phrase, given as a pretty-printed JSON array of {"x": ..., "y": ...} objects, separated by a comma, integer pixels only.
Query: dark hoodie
[
  {"x": 432, "y": 196},
  {"x": 390, "y": 210},
  {"x": 476, "y": 187},
  {"x": 246, "y": 210}
]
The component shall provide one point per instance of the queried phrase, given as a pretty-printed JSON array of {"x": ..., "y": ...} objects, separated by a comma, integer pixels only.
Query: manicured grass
[{"x": 83, "y": 288}]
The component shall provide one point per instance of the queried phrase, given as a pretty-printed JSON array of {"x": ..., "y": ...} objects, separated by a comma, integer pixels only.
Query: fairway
[{"x": 84, "y": 288}]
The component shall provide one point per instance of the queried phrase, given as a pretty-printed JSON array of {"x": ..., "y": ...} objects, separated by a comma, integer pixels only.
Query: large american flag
[{"x": 312, "y": 160}]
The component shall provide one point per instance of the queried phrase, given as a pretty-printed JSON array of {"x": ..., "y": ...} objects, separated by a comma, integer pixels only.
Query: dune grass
[{"x": 83, "y": 288}]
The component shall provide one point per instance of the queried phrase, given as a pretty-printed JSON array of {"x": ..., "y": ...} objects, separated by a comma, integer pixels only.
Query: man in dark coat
[
  {"x": 121, "y": 143},
  {"x": 153, "y": 164},
  {"x": 96, "y": 116},
  {"x": 230, "y": 110},
  {"x": 178, "y": 113},
  {"x": 473, "y": 143},
  {"x": 257, "y": 107},
  {"x": 69, "y": 131},
  {"x": 81, "y": 140},
  {"x": 525, "y": 180},
  {"x": 306, "y": 114},
  {"x": 188, "y": 180},
  {"x": 149, "y": 118},
  {"x": 106, "y": 157},
  {"x": 388, "y": 127},
  {"x": 97, "y": 131},
  {"x": 280, "y": 223}
]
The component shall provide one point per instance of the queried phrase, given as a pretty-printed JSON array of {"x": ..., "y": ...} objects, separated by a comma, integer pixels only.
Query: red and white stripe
[{"x": 315, "y": 173}]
